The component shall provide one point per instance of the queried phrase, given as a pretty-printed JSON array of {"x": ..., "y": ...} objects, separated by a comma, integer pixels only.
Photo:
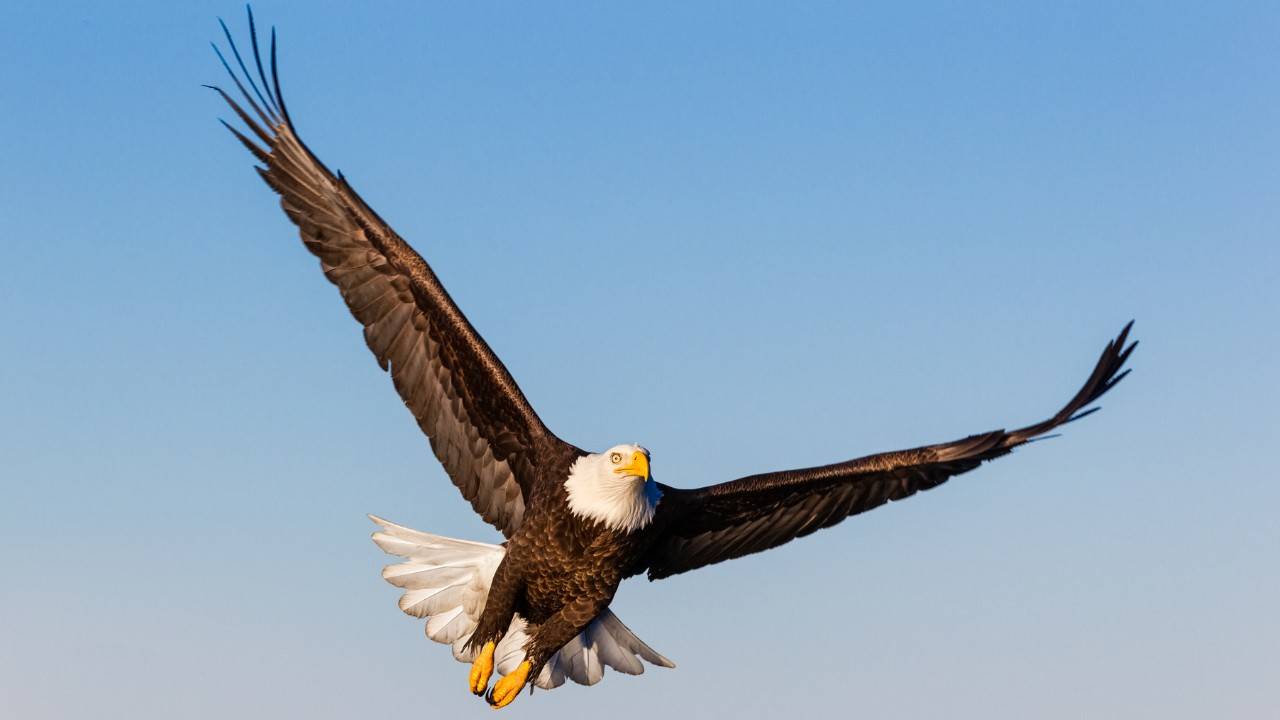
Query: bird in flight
[{"x": 535, "y": 609}]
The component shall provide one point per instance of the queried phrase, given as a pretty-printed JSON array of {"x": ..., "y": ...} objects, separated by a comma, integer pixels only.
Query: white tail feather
[{"x": 447, "y": 581}]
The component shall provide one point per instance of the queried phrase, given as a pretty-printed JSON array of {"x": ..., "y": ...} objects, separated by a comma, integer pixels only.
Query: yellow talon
[
  {"x": 506, "y": 689},
  {"x": 481, "y": 669}
]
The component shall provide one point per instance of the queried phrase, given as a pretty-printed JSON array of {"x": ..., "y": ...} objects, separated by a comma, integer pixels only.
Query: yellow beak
[{"x": 637, "y": 466}]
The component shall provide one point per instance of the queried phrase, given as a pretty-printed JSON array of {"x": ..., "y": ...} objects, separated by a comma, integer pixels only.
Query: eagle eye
[{"x": 615, "y": 458}]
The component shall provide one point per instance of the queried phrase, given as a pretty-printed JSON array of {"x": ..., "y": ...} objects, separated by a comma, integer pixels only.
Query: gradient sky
[{"x": 749, "y": 238}]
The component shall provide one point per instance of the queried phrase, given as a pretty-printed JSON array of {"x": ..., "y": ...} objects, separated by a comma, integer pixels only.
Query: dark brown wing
[
  {"x": 712, "y": 524},
  {"x": 480, "y": 425}
]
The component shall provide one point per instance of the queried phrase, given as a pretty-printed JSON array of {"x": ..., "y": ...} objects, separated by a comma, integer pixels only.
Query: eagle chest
[{"x": 562, "y": 559}]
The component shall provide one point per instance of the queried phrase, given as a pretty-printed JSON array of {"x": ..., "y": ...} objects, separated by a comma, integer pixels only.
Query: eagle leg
[
  {"x": 481, "y": 669},
  {"x": 509, "y": 686},
  {"x": 499, "y": 608}
]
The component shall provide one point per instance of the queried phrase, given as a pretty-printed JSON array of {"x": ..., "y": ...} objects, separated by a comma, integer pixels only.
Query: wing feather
[
  {"x": 720, "y": 522},
  {"x": 480, "y": 426}
]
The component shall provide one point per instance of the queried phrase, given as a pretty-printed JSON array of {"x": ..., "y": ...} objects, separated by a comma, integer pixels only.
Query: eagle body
[
  {"x": 534, "y": 610},
  {"x": 561, "y": 570}
]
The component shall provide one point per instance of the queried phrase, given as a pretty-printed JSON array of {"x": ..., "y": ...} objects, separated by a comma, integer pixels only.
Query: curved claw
[{"x": 508, "y": 688}]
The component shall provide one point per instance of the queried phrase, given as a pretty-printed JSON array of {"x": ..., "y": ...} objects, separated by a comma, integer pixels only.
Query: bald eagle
[{"x": 576, "y": 523}]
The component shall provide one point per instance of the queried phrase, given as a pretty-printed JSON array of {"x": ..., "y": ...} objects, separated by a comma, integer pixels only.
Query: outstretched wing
[
  {"x": 712, "y": 524},
  {"x": 480, "y": 425}
]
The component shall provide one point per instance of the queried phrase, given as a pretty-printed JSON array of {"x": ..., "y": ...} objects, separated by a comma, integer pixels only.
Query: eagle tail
[
  {"x": 447, "y": 581},
  {"x": 444, "y": 580}
]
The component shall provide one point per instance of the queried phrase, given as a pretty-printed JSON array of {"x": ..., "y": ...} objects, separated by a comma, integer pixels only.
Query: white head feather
[{"x": 608, "y": 487}]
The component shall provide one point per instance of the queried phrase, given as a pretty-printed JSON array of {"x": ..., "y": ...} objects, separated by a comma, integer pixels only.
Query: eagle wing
[
  {"x": 709, "y": 525},
  {"x": 479, "y": 423}
]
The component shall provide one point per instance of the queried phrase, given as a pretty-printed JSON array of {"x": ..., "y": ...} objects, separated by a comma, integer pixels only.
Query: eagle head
[{"x": 614, "y": 488}]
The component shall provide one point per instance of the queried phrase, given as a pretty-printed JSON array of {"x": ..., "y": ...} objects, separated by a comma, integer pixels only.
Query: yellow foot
[
  {"x": 506, "y": 689},
  {"x": 481, "y": 669}
]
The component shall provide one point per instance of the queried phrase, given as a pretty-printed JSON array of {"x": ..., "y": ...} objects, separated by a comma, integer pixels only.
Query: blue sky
[{"x": 836, "y": 229}]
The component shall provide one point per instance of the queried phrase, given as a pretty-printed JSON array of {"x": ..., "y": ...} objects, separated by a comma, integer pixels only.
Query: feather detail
[{"x": 479, "y": 423}]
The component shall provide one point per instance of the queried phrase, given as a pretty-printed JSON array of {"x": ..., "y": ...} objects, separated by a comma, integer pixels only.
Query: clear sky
[{"x": 821, "y": 232}]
